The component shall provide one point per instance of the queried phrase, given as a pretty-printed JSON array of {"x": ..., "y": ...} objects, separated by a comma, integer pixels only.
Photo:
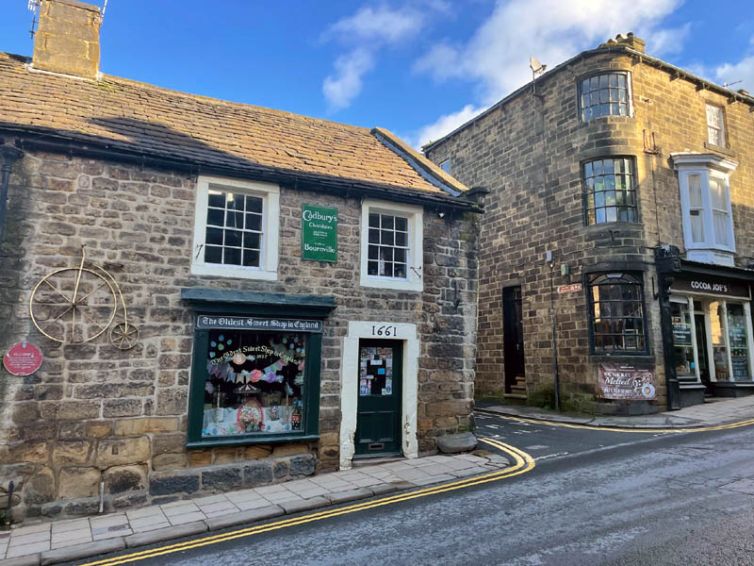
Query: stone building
[
  {"x": 224, "y": 295},
  {"x": 618, "y": 237}
]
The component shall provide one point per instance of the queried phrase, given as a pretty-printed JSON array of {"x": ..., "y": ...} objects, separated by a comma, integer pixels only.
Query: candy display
[{"x": 254, "y": 383}]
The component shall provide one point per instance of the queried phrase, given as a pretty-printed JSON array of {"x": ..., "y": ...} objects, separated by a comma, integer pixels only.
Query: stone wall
[
  {"x": 95, "y": 413},
  {"x": 528, "y": 153}
]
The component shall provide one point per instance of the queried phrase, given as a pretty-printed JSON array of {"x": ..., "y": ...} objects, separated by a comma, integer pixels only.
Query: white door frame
[{"x": 349, "y": 383}]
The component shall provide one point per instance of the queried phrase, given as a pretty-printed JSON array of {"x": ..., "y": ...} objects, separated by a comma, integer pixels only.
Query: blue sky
[{"x": 418, "y": 67}]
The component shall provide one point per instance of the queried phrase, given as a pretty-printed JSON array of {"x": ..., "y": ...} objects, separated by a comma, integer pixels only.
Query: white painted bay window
[
  {"x": 391, "y": 246},
  {"x": 236, "y": 229},
  {"x": 706, "y": 209}
]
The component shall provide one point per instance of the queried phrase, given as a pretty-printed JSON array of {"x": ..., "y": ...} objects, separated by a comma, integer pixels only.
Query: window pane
[
  {"x": 255, "y": 383},
  {"x": 617, "y": 313},
  {"x": 717, "y": 193},
  {"x": 721, "y": 227},
  {"x": 251, "y": 258},
  {"x": 254, "y": 222},
  {"x": 695, "y": 191},
  {"x": 233, "y": 238},
  {"x": 697, "y": 227},
  {"x": 213, "y": 254},
  {"x": 254, "y": 204},
  {"x": 719, "y": 341},
  {"x": 738, "y": 339},
  {"x": 215, "y": 217},
  {"x": 214, "y": 236},
  {"x": 388, "y": 244},
  {"x": 239, "y": 242},
  {"x": 604, "y": 95},
  {"x": 232, "y": 256},
  {"x": 217, "y": 199}
]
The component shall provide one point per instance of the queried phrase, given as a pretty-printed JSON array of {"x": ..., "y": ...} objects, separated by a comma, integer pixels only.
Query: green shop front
[{"x": 255, "y": 375}]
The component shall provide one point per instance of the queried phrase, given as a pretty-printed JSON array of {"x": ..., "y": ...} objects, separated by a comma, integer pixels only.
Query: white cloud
[
  {"x": 496, "y": 57},
  {"x": 365, "y": 33},
  {"x": 669, "y": 41},
  {"x": 341, "y": 87},
  {"x": 742, "y": 71},
  {"x": 382, "y": 25},
  {"x": 445, "y": 124}
]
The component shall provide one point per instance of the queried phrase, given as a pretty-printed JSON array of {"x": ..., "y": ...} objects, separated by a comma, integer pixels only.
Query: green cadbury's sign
[{"x": 319, "y": 233}]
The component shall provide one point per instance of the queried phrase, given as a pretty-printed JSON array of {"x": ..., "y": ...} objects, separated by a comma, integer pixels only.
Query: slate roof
[{"x": 134, "y": 117}]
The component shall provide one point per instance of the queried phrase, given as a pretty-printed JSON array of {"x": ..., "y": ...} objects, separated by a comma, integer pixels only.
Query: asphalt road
[{"x": 594, "y": 498}]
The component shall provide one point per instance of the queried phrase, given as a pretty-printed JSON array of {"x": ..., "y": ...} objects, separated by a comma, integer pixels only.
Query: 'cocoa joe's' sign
[{"x": 708, "y": 285}]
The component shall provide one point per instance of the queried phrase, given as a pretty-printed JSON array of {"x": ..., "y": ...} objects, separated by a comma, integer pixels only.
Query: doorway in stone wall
[
  {"x": 513, "y": 342},
  {"x": 378, "y": 420}
]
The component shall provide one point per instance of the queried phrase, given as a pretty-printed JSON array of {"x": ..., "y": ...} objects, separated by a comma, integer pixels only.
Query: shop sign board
[
  {"x": 711, "y": 286},
  {"x": 627, "y": 382},
  {"x": 23, "y": 359},
  {"x": 319, "y": 233},
  {"x": 209, "y": 322}
]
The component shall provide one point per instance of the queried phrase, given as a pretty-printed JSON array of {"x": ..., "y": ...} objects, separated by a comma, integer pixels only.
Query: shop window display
[
  {"x": 254, "y": 383},
  {"x": 739, "y": 342},
  {"x": 683, "y": 346}
]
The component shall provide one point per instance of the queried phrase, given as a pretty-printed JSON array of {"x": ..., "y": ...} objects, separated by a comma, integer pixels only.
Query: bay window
[
  {"x": 706, "y": 208},
  {"x": 616, "y": 302}
]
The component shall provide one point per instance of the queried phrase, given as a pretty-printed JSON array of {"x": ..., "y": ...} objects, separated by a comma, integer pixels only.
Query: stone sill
[{"x": 250, "y": 441}]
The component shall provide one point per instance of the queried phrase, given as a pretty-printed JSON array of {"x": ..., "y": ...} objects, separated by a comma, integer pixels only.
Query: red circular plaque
[{"x": 23, "y": 359}]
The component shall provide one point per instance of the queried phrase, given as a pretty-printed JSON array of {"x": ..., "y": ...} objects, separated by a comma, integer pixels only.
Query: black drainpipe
[
  {"x": 668, "y": 263},
  {"x": 9, "y": 155}
]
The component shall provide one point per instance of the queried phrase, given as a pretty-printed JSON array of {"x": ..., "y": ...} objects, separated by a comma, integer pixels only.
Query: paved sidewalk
[
  {"x": 72, "y": 539},
  {"x": 717, "y": 412}
]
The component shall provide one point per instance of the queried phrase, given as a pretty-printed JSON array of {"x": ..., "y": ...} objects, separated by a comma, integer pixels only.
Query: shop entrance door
[
  {"x": 701, "y": 350},
  {"x": 378, "y": 418},
  {"x": 513, "y": 341}
]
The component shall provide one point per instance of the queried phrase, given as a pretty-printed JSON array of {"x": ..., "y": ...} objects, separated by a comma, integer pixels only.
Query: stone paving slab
[
  {"x": 69, "y": 539},
  {"x": 713, "y": 413}
]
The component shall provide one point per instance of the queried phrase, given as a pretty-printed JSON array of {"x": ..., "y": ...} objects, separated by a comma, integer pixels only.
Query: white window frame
[
  {"x": 708, "y": 167},
  {"x": 414, "y": 280},
  {"x": 721, "y": 112},
  {"x": 268, "y": 253}
]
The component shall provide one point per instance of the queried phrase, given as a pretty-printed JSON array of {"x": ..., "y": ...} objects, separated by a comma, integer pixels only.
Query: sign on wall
[
  {"x": 712, "y": 286},
  {"x": 23, "y": 359},
  {"x": 620, "y": 381},
  {"x": 319, "y": 233},
  {"x": 208, "y": 322}
]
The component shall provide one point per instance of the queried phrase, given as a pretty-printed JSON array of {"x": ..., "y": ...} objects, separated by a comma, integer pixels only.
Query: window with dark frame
[
  {"x": 617, "y": 309},
  {"x": 234, "y": 228},
  {"x": 610, "y": 190},
  {"x": 388, "y": 246},
  {"x": 607, "y": 94}
]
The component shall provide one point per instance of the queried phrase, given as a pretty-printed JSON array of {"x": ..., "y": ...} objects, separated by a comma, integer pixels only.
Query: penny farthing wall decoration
[{"x": 75, "y": 305}]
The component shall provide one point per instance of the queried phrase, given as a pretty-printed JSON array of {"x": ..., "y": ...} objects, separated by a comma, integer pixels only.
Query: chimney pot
[{"x": 67, "y": 40}]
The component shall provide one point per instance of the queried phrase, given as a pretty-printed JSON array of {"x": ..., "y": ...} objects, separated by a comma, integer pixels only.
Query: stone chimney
[
  {"x": 67, "y": 40},
  {"x": 629, "y": 40}
]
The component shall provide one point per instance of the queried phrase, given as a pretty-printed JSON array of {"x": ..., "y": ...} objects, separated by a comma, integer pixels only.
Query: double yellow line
[
  {"x": 522, "y": 463},
  {"x": 727, "y": 426}
]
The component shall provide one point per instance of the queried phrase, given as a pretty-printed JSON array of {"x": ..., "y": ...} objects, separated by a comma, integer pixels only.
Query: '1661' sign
[{"x": 618, "y": 381}]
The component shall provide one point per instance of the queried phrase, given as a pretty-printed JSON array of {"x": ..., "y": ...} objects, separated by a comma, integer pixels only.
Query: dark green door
[{"x": 378, "y": 424}]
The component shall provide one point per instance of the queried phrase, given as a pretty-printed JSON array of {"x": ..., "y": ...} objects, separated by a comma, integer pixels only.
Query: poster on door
[
  {"x": 375, "y": 371},
  {"x": 627, "y": 382}
]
